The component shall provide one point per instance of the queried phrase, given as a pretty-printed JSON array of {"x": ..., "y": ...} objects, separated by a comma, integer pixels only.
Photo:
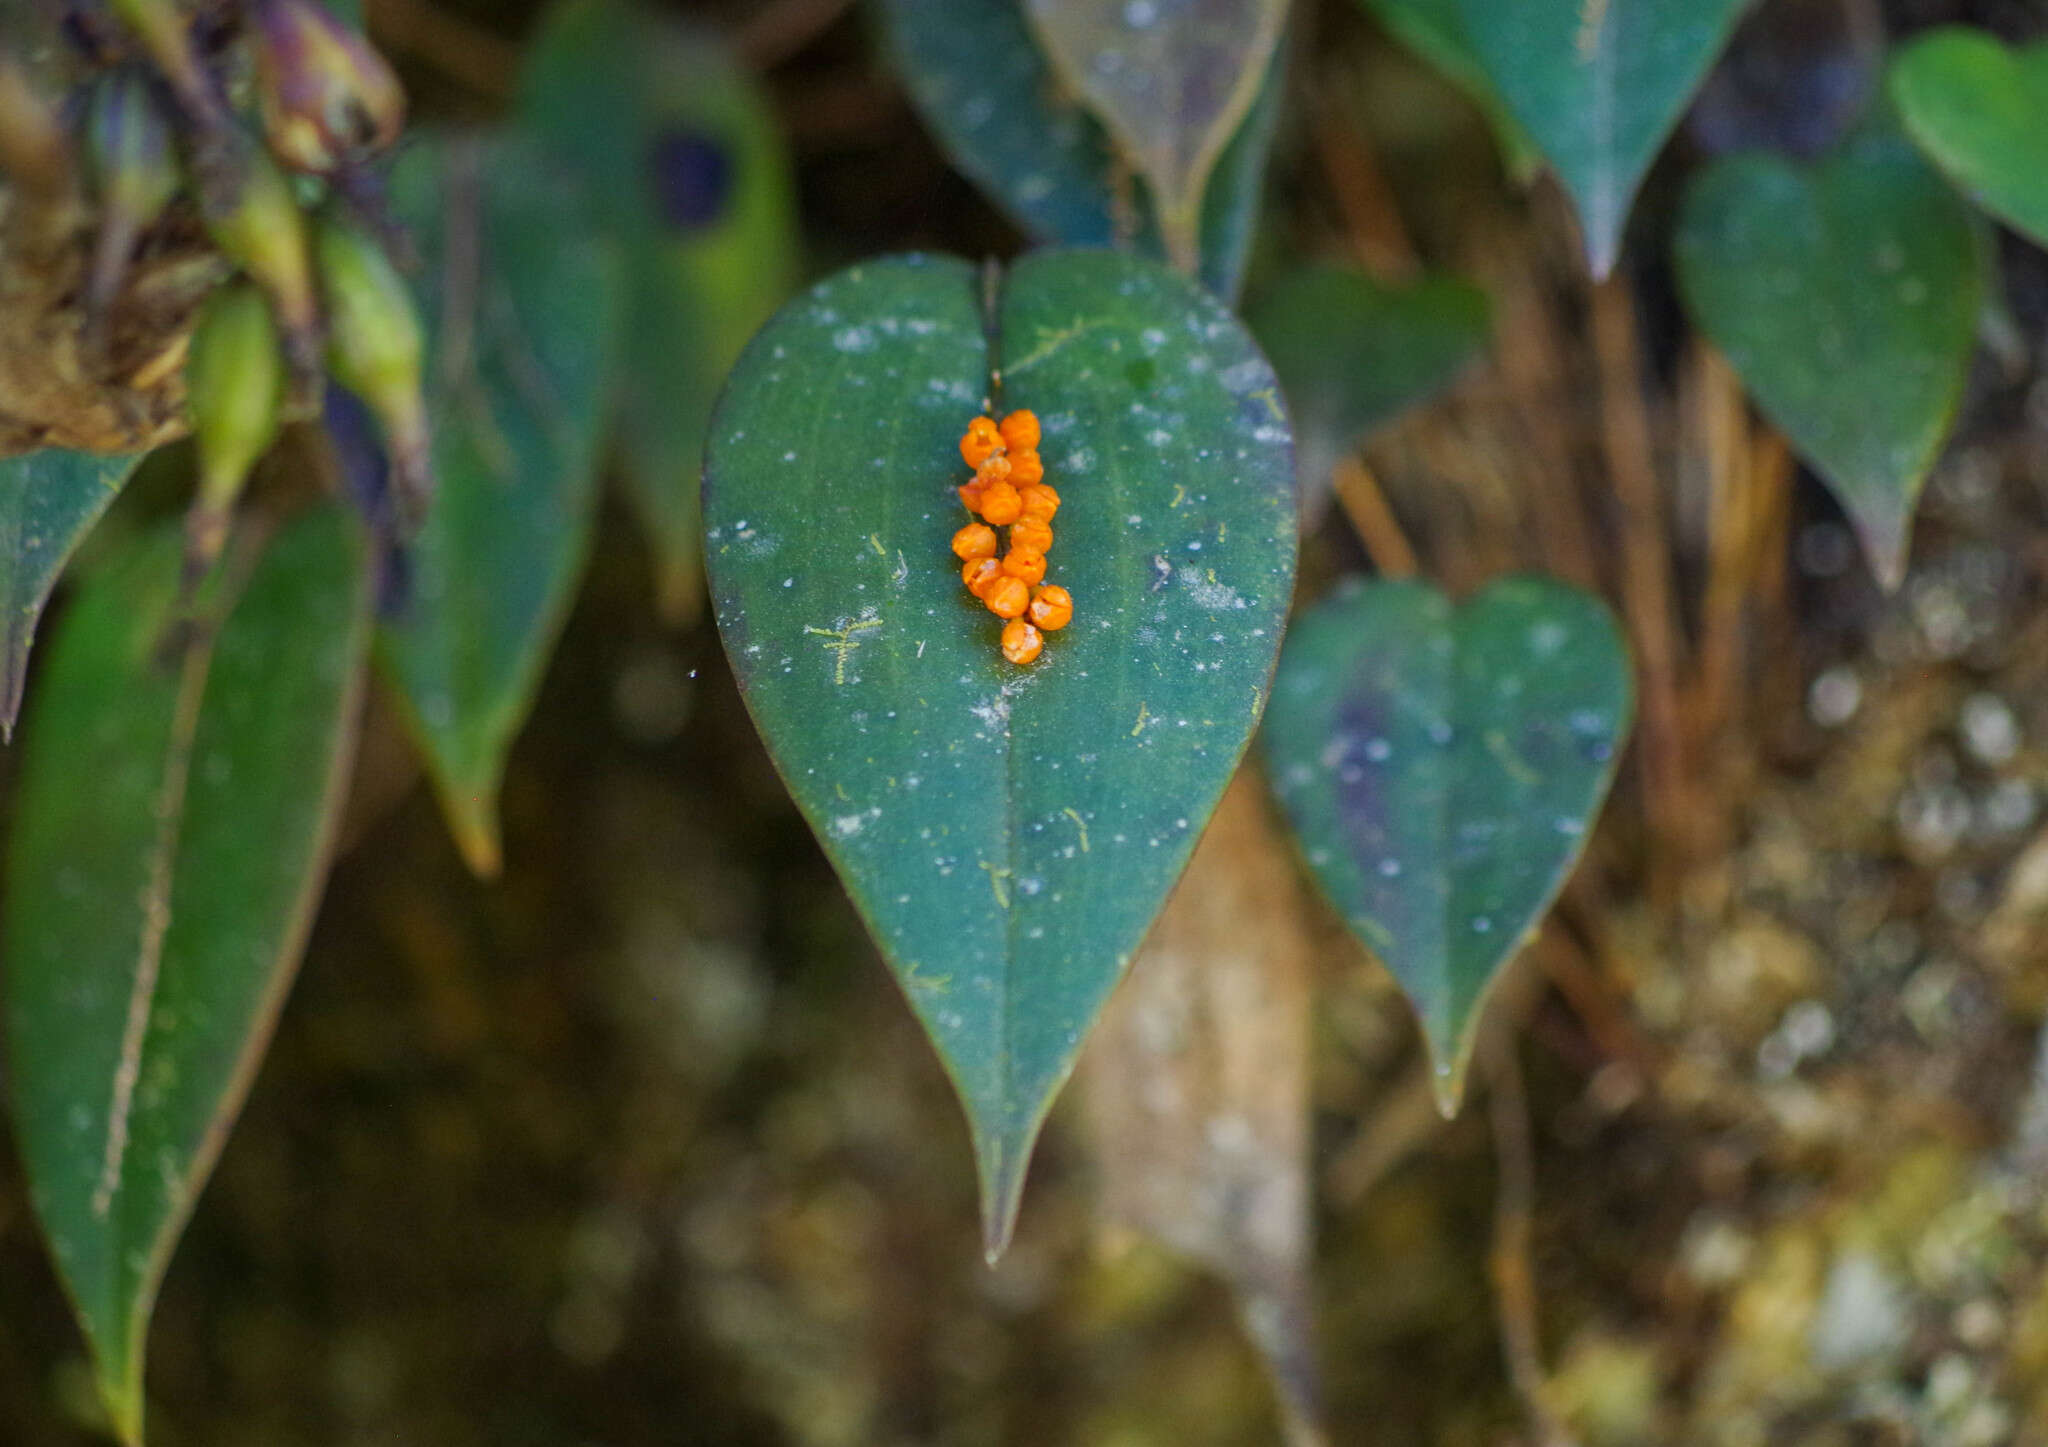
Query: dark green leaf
[
  {"x": 1434, "y": 31},
  {"x": 525, "y": 311},
  {"x": 1008, "y": 833},
  {"x": 1352, "y": 353},
  {"x": 1599, "y": 85},
  {"x": 1441, "y": 765},
  {"x": 1980, "y": 109},
  {"x": 1172, "y": 82},
  {"x": 169, "y": 842},
  {"x": 49, "y": 501},
  {"x": 685, "y": 167},
  {"x": 981, "y": 83},
  {"x": 1846, "y": 295}
]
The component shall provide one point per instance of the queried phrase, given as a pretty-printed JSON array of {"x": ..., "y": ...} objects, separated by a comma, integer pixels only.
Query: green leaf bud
[
  {"x": 376, "y": 348},
  {"x": 262, "y": 230},
  {"x": 234, "y": 395}
]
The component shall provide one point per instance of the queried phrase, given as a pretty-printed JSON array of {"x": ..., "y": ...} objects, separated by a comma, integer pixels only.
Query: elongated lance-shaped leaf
[
  {"x": 685, "y": 168},
  {"x": 49, "y": 501},
  {"x": 1599, "y": 84},
  {"x": 1008, "y": 833},
  {"x": 1172, "y": 80},
  {"x": 1441, "y": 766},
  {"x": 1846, "y": 295},
  {"x": 979, "y": 79},
  {"x": 169, "y": 841},
  {"x": 523, "y": 300},
  {"x": 1979, "y": 108}
]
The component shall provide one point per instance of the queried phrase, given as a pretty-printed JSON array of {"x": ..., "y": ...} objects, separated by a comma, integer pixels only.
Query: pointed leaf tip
[
  {"x": 201, "y": 798},
  {"x": 1002, "y": 1166},
  {"x": 521, "y": 367},
  {"x": 1043, "y": 156},
  {"x": 1865, "y": 373},
  {"x": 1448, "y": 1084},
  {"x": 1008, "y": 833},
  {"x": 1598, "y": 88},
  {"x": 473, "y": 824},
  {"x": 1442, "y": 766},
  {"x": 49, "y": 501}
]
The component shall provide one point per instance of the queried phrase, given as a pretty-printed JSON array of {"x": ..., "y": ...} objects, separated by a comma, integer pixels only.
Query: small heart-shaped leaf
[
  {"x": 49, "y": 501},
  {"x": 1846, "y": 296},
  {"x": 1351, "y": 353},
  {"x": 1441, "y": 766},
  {"x": 1599, "y": 85},
  {"x": 1172, "y": 80},
  {"x": 1008, "y": 833},
  {"x": 169, "y": 841},
  {"x": 1435, "y": 31},
  {"x": 524, "y": 307},
  {"x": 982, "y": 84},
  {"x": 1980, "y": 109},
  {"x": 685, "y": 169}
]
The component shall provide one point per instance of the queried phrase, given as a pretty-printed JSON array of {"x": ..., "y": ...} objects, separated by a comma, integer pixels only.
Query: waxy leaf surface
[
  {"x": 524, "y": 308},
  {"x": 979, "y": 79},
  {"x": 169, "y": 842},
  {"x": 1599, "y": 86},
  {"x": 49, "y": 501},
  {"x": 1008, "y": 833},
  {"x": 1980, "y": 109},
  {"x": 1441, "y": 766},
  {"x": 1846, "y": 296}
]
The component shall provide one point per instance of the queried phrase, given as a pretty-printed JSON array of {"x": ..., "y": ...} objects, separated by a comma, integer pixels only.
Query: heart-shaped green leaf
[
  {"x": 1980, "y": 109},
  {"x": 1846, "y": 296},
  {"x": 686, "y": 170},
  {"x": 1599, "y": 85},
  {"x": 1172, "y": 82},
  {"x": 49, "y": 501},
  {"x": 1008, "y": 833},
  {"x": 1441, "y": 765},
  {"x": 982, "y": 84},
  {"x": 1351, "y": 353},
  {"x": 1434, "y": 30},
  {"x": 169, "y": 842},
  {"x": 524, "y": 306}
]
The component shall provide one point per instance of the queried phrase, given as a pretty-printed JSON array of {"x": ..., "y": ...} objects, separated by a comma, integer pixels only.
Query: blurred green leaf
[
  {"x": 1352, "y": 353},
  {"x": 1434, "y": 31},
  {"x": 525, "y": 307},
  {"x": 169, "y": 843},
  {"x": 984, "y": 87},
  {"x": 1599, "y": 85},
  {"x": 1441, "y": 766},
  {"x": 1172, "y": 80},
  {"x": 686, "y": 169},
  {"x": 1846, "y": 295},
  {"x": 49, "y": 501},
  {"x": 1008, "y": 833},
  {"x": 1980, "y": 110}
]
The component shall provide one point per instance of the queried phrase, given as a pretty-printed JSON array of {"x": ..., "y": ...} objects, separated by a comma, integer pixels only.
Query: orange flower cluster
[{"x": 1009, "y": 491}]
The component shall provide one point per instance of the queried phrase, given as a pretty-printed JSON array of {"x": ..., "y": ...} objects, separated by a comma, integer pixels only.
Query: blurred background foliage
[{"x": 637, "y": 1143}]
